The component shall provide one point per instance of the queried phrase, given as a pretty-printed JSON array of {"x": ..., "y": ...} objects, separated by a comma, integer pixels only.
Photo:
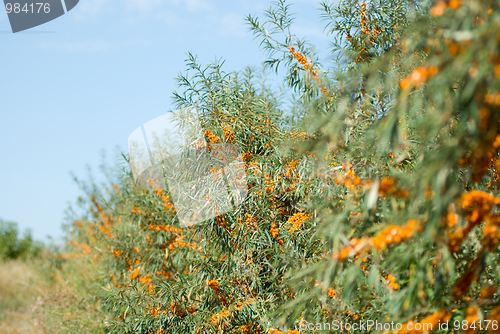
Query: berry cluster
[{"x": 390, "y": 235}]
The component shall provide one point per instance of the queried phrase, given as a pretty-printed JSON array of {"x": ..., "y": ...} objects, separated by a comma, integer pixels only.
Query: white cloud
[
  {"x": 144, "y": 5},
  {"x": 134, "y": 43},
  {"x": 170, "y": 18},
  {"x": 232, "y": 24},
  {"x": 90, "y": 8},
  {"x": 198, "y": 5},
  {"x": 191, "y": 5},
  {"x": 89, "y": 45},
  {"x": 84, "y": 46}
]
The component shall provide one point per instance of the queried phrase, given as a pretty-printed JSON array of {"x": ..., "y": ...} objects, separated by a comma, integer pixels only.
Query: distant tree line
[{"x": 13, "y": 245}]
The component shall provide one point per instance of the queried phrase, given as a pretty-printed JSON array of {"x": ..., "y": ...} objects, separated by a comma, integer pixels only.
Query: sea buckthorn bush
[{"x": 374, "y": 196}]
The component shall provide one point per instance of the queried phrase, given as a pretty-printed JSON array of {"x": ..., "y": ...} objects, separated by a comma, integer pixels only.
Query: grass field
[
  {"x": 21, "y": 285},
  {"x": 37, "y": 298}
]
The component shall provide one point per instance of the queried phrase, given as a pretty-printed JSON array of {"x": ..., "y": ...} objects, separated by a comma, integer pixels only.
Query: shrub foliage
[{"x": 372, "y": 197}]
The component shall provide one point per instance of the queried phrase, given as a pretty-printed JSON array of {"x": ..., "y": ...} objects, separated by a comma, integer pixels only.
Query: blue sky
[{"x": 83, "y": 82}]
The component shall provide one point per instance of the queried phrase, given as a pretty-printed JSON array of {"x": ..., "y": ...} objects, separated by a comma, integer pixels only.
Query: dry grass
[
  {"x": 20, "y": 286},
  {"x": 37, "y": 298}
]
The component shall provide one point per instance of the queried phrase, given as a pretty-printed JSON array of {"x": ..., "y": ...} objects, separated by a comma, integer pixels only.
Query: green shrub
[
  {"x": 14, "y": 246},
  {"x": 373, "y": 198}
]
